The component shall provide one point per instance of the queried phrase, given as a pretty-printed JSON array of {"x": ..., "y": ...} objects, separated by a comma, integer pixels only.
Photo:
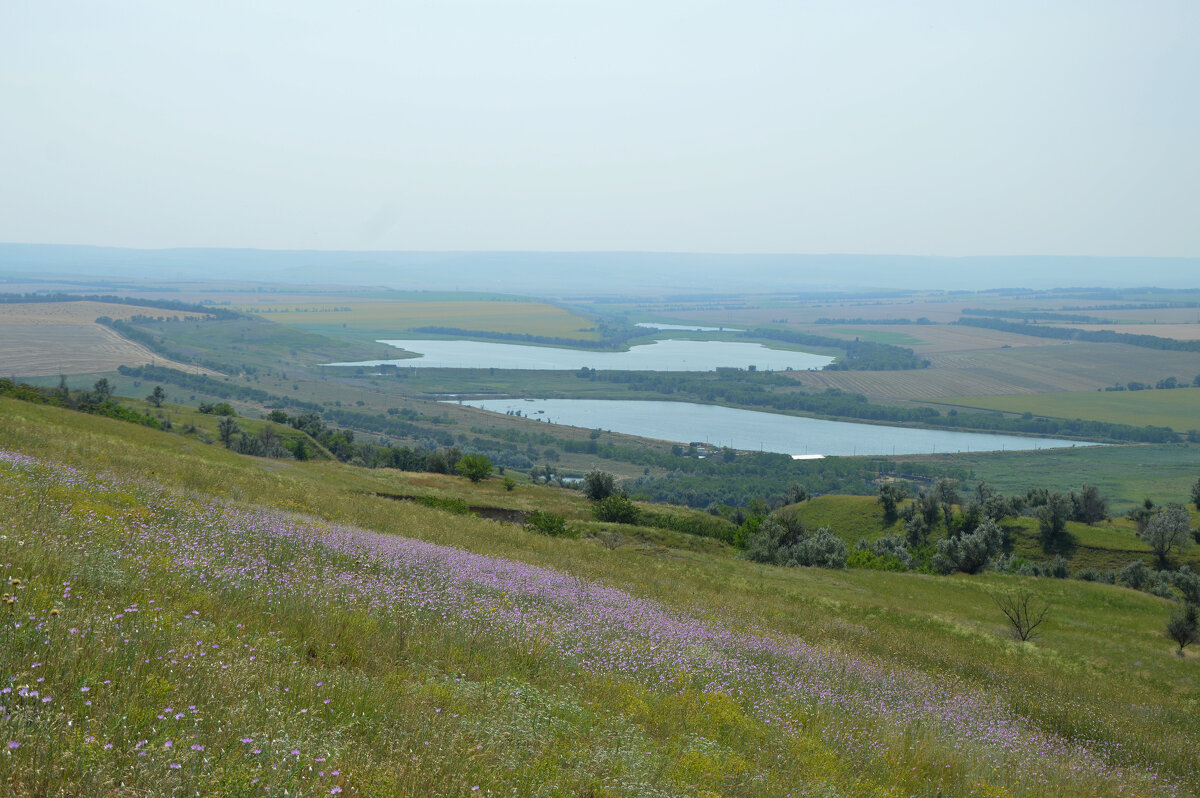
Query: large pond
[
  {"x": 654, "y": 325},
  {"x": 659, "y": 356},
  {"x": 748, "y": 429}
]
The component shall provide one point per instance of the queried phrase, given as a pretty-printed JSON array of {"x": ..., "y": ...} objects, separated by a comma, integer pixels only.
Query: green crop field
[
  {"x": 385, "y": 318},
  {"x": 1178, "y": 409}
]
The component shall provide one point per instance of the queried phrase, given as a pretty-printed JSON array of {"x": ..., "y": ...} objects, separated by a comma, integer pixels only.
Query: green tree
[
  {"x": 1184, "y": 626},
  {"x": 475, "y": 467},
  {"x": 1052, "y": 519},
  {"x": 1169, "y": 530},
  {"x": 227, "y": 428},
  {"x": 102, "y": 389},
  {"x": 598, "y": 485},
  {"x": 890, "y": 496},
  {"x": 157, "y": 396},
  {"x": 1089, "y": 505},
  {"x": 946, "y": 494},
  {"x": 1196, "y": 494}
]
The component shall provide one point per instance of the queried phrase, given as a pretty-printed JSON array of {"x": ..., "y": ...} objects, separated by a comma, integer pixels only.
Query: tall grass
[{"x": 244, "y": 595}]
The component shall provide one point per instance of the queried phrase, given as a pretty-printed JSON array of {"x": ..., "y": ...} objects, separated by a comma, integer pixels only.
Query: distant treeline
[
  {"x": 610, "y": 337},
  {"x": 1091, "y": 336},
  {"x": 1042, "y": 315},
  {"x": 163, "y": 304},
  {"x": 1137, "y": 306},
  {"x": 860, "y": 355},
  {"x": 211, "y": 386},
  {"x": 824, "y": 320}
]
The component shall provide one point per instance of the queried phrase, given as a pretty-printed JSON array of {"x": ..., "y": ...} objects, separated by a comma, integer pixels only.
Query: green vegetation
[
  {"x": 1177, "y": 409},
  {"x": 781, "y": 670},
  {"x": 384, "y": 318}
]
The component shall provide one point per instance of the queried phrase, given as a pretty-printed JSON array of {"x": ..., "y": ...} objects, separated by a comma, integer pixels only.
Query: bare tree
[{"x": 1022, "y": 610}]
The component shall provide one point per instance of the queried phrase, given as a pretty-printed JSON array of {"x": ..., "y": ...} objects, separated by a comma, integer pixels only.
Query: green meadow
[{"x": 208, "y": 623}]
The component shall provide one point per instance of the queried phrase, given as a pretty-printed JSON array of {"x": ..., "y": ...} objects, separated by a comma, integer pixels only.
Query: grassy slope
[
  {"x": 1102, "y": 672},
  {"x": 1178, "y": 409}
]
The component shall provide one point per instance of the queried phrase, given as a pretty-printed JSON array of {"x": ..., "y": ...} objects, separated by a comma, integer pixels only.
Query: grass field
[
  {"x": 1126, "y": 474},
  {"x": 1021, "y": 370},
  {"x": 257, "y": 626},
  {"x": 1178, "y": 408},
  {"x": 383, "y": 318}
]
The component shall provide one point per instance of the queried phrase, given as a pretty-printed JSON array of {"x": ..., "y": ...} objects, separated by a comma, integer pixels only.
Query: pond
[
  {"x": 654, "y": 325},
  {"x": 686, "y": 422},
  {"x": 670, "y": 355}
]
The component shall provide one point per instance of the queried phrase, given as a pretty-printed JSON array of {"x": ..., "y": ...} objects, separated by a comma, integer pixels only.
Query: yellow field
[
  {"x": 47, "y": 350},
  {"x": 44, "y": 339},
  {"x": 77, "y": 312},
  {"x": 534, "y": 318},
  {"x": 1178, "y": 409}
]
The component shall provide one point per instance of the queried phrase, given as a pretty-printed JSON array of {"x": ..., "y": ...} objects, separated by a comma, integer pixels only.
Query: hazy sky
[{"x": 947, "y": 128}]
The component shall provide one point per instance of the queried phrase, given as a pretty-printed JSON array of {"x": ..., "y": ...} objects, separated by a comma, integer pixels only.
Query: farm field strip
[
  {"x": 47, "y": 350},
  {"x": 392, "y": 317},
  {"x": 1178, "y": 408},
  {"x": 82, "y": 312}
]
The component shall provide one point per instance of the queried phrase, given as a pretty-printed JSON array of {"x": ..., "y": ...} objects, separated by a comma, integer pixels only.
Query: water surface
[
  {"x": 654, "y": 325},
  {"x": 668, "y": 355},
  {"x": 686, "y": 422}
]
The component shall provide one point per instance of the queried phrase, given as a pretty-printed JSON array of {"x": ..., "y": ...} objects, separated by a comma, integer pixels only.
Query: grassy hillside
[{"x": 207, "y": 623}]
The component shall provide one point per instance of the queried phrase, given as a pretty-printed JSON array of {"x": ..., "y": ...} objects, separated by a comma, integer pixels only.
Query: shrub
[
  {"x": 893, "y": 547},
  {"x": 782, "y": 540},
  {"x": 1136, "y": 575},
  {"x": 475, "y": 467},
  {"x": 598, "y": 485},
  {"x": 615, "y": 509},
  {"x": 550, "y": 524},
  {"x": 1187, "y": 582},
  {"x": 969, "y": 553}
]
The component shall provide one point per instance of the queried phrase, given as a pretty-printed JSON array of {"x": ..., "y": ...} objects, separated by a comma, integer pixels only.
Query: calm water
[
  {"x": 748, "y": 429},
  {"x": 658, "y": 356},
  {"x": 654, "y": 325}
]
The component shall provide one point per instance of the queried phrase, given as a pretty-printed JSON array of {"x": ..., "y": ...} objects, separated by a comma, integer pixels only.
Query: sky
[{"x": 756, "y": 126}]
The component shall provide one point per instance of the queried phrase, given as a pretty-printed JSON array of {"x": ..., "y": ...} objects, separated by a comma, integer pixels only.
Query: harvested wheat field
[{"x": 42, "y": 339}]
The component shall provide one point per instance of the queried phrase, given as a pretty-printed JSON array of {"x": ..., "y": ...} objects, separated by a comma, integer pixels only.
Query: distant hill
[{"x": 567, "y": 273}]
